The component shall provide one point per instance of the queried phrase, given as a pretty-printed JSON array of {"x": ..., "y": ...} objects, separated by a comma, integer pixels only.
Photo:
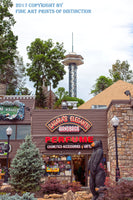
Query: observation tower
[{"x": 72, "y": 60}]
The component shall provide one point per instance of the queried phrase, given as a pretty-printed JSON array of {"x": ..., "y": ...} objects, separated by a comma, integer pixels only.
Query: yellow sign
[{"x": 52, "y": 169}]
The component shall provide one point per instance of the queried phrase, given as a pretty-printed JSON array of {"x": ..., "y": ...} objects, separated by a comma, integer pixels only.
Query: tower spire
[
  {"x": 72, "y": 42},
  {"x": 72, "y": 60}
]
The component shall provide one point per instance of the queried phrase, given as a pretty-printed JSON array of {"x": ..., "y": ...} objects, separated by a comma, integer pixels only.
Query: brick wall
[{"x": 124, "y": 139}]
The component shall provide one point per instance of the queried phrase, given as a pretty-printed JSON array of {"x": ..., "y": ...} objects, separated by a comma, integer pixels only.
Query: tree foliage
[
  {"x": 61, "y": 93},
  {"x": 26, "y": 167},
  {"x": 46, "y": 66},
  {"x": 11, "y": 64},
  {"x": 17, "y": 80},
  {"x": 23, "y": 90},
  {"x": 119, "y": 71},
  {"x": 101, "y": 84}
]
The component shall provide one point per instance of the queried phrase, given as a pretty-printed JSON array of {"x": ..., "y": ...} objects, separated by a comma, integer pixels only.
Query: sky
[{"x": 102, "y": 33}]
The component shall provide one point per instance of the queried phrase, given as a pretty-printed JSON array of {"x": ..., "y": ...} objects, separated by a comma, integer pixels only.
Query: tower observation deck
[{"x": 72, "y": 60}]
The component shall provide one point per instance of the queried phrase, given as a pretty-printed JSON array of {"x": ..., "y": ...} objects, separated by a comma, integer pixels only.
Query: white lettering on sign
[{"x": 65, "y": 129}]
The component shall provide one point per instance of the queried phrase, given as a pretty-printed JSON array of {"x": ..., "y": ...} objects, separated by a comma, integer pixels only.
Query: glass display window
[{"x": 57, "y": 165}]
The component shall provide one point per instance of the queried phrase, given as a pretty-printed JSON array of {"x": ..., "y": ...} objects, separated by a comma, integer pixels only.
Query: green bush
[
  {"x": 80, "y": 101},
  {"x": 67, "y": 98},
  {"x": 26, "y": 196}
]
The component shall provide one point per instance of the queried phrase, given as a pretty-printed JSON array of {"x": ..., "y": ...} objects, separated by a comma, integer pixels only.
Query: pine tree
[{"x": 26, "y": 167}]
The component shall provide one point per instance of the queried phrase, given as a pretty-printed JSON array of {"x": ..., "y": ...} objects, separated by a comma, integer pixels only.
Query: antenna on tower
[{"x": 72, "y": 42}]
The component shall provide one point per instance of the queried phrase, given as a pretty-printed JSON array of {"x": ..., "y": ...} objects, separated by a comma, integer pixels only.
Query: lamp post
[
  {"x": 9, "y": 133},
  {"x": 115, "y": 123}
]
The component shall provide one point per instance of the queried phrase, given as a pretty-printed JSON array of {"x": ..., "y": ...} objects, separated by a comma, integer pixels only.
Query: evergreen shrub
[
  {"x": 26, "y": 196},
  {"x": 26, "y": 168}
]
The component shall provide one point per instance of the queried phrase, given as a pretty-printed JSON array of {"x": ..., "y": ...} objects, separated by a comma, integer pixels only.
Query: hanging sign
[
  {"x": 69, "y": 123},
  {"x": 11, "y": 110}
]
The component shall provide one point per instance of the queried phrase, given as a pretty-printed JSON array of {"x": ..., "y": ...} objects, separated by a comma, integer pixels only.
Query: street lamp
[
  {"x": 9, "y": 133},
  {"x": 115, "y": 123}
]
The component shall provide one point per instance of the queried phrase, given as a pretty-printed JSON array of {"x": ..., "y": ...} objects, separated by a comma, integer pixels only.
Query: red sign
[
  {"x": 54, "y": 143},
  {"x": 73, "y": 139},
  {"x": 69, "y": 120}
]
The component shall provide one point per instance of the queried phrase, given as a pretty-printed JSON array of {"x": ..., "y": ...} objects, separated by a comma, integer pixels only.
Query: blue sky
[{"x": 101, "y": 37}]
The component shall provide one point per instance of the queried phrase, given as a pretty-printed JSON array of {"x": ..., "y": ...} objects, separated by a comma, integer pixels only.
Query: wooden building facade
[
  {"x": 64, "y": 143},
  {"x": 63, "y": 136}
]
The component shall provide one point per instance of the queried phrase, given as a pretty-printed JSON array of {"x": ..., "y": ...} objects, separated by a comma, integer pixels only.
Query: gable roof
[{"x": 114, "y": 92}]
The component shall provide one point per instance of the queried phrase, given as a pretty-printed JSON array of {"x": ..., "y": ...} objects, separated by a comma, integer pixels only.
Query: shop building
[
  {"x": 15, "y": 111},
  {"x": 63, "y": 137}
]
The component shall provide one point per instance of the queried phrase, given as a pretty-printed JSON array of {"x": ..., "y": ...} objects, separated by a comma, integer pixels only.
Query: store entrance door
[{"x": 79, "y": 169}]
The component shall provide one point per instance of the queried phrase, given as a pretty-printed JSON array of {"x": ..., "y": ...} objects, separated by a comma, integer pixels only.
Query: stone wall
[{"x": 124, "y": 112}]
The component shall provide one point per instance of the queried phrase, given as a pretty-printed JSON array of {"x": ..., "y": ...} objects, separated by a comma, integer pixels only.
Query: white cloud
[{"x": 101, "y": 37}]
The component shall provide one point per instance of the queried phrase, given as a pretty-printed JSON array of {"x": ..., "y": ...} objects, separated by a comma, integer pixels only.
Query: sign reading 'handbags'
[{"x": 69, "y": 123}]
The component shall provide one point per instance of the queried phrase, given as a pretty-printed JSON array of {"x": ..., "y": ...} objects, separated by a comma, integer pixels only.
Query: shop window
[
  {"x": 67, "y": 168},
  {"x": 3, "y": 135},
  {"x": 57, "y": 165},
  {"x": 19, "y": 132},
  {"x": 22, "y": 131}
]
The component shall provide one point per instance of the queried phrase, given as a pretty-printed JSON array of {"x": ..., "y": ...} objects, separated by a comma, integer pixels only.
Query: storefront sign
[
  {"x": 69, "y": 129},
  {"x": 68, "y": 120},
  {"x": 68, "y": 142},
  {"x": 67, "y": 146},
  {"x": 11, "y": 110},
  {"x": 67, "y": 139},
  {"x": 4, "y": 148}
]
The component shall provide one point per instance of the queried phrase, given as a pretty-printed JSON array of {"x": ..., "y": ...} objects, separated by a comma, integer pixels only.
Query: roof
[{"x": 114, "y": 92}]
